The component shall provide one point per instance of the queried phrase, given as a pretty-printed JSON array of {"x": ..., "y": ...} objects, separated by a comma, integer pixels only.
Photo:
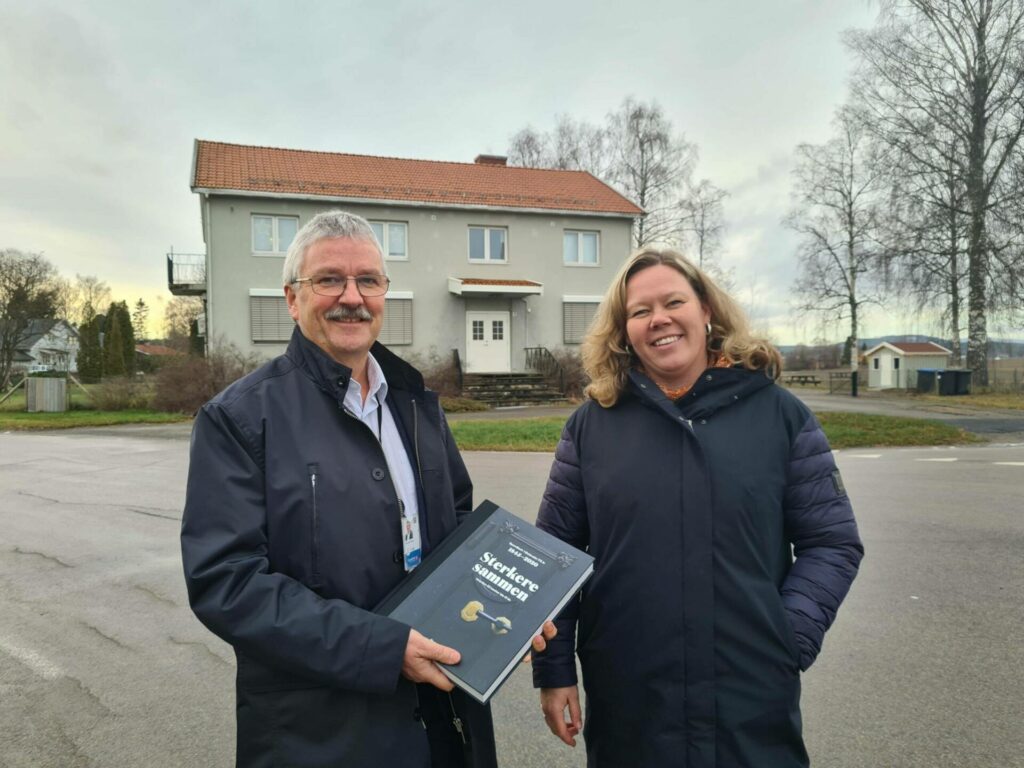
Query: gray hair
[{"x": 329, "y": 224}]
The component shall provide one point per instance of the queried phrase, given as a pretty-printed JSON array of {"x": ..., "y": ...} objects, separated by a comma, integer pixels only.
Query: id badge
[{"x": 411, "y": 541}]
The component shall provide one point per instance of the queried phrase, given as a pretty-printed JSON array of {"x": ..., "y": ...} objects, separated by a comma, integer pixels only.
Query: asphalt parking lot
[{"x": 102, "y": 663}]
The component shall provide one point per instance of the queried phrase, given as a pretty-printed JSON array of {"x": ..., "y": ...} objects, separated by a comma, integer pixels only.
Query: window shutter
[
  {"x": 397, "y": 326},
  {"x": 269, "y": 318},
  {"x": 576, "y": 317}
]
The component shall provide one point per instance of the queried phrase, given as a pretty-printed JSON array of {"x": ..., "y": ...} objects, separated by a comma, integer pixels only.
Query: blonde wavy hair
[{"x": 606, "y": 356}]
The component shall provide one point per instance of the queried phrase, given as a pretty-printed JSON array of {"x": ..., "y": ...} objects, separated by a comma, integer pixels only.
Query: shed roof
[
  {"x": 911, "y": 348},
  {"x": 271, "y": 171}
]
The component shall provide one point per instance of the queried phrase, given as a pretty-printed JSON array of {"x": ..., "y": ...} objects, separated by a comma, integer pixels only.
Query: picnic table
[{"x": 803, "y": 378}]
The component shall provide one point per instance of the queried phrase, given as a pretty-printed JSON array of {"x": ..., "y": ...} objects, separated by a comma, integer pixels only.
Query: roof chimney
[{"x": 491, "y": 160}]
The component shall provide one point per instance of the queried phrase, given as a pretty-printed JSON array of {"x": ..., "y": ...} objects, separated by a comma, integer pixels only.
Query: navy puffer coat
[{"x": 698, "y": 620}]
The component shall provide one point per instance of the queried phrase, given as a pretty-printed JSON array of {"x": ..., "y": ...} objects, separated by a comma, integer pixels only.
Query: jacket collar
[
  {"x": 717, "y": 388},
  {"x": 333, "y": 377}
]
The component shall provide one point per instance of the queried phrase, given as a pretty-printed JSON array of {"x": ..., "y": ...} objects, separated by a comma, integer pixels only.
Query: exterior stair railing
[{"x": 541, "y": 360}]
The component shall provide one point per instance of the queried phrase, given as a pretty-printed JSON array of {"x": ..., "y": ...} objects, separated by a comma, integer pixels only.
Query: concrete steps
[{"x": 506, "y": 389}]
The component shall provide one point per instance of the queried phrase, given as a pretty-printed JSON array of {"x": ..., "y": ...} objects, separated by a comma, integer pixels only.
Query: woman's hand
[{"x": 554, "y": 702}]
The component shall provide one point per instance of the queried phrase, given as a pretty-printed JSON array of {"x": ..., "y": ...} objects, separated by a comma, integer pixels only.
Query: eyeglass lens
[{"x": 334, "y": 285}]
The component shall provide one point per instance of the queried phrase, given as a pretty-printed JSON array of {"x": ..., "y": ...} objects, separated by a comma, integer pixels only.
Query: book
[{"x": 486, "y": 591}]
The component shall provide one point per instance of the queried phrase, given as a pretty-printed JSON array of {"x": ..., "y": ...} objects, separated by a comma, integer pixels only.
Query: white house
[
  {"x": 47, "y": 345},
  {"x": 494, "y": 262},
  {"x": 894, "y": 364}
]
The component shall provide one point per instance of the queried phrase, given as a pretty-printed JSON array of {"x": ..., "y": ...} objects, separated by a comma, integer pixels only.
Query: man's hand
[
  {"x": 554, "y": 702},
  {"x": 547, "y": 632},
  {"x": 420, "y": 655}
]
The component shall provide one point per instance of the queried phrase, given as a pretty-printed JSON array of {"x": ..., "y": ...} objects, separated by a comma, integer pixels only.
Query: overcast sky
[{"x": 102, "y": 100}]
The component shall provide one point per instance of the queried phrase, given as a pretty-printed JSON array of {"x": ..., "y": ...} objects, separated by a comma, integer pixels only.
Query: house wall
[
  {"x": 437, "y": 248},
  {"x": 888, "y": 377},
  {"x": 882, "y": 376},
  {"x": 58, "y": 349}
]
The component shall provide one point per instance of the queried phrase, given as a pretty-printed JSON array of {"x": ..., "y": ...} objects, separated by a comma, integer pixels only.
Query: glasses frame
[{"x": 346, "y": 278}]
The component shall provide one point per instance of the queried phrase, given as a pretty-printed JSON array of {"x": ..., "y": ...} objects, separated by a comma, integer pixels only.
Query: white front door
[{"x": 487, "y": 342}]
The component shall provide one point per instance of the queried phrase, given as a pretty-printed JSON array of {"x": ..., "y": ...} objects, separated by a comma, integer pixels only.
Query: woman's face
[{"x": 665, "y": 325}]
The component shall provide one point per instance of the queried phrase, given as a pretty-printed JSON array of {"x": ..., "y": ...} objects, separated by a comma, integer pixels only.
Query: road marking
[
  {"x": 39, "y": 664},
  {"x": 863, "y": 455},
  {"x": 936, "y": 459},
  {"x": 1009, "y": 463}
]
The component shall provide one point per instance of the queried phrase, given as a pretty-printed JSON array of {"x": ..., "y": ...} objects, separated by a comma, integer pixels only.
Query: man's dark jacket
[
  {"x": 291, "y": 535},
  {"x": 697, "y": 621}
]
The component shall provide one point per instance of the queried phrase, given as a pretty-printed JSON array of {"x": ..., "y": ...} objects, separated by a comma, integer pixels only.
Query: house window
[
  {"x": 478, "y": 330},
  {"x": 269, "y": 320},
  {"x": 876, "y": 363},
  {"x": 896, "y": 363},
  {"x": 397, "y": 326},
  {"x": 392, "y": 236},
  {"x": 273, "y": 234},
  {"x": 580, "y": 248},
  {"x": 487, "y": 244},
  {"x": 497, "y": 330},
  {"x": 576, "y": 318}
]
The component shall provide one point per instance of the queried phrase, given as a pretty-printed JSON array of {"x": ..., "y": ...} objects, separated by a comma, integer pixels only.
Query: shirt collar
[{"x": 377, "y": 392}]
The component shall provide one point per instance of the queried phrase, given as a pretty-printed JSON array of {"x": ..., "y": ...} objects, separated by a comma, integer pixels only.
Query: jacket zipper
[
  {"x": 416, "y": 443},
  {"x": 457, "y": 721},
  {"x": 313, "y": 468}
]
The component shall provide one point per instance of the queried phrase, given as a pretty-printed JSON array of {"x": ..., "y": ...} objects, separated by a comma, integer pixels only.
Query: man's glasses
[{"x": 335, "y": 285}]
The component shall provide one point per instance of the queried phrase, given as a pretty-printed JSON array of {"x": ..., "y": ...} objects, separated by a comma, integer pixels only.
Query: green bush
[
  {"x": 184, "y": 384},
  {"x": 121, "y": 393}
]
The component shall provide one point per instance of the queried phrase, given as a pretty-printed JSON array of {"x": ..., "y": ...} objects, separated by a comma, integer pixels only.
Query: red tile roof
[
  {"x": 920, "y": 347},
  {"x": 235, "y": 167},
  {"x": 156, "y": 349}
]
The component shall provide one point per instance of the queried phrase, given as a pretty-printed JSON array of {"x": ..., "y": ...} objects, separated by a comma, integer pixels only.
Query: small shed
[{"x": 894, "y": 364}]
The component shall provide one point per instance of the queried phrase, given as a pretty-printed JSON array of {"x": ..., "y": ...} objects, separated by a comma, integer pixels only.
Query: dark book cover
[{"x": 486, "y": 591}]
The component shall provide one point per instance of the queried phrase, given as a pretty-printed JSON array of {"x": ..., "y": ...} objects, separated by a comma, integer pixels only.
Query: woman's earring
[
  {"x": 707, "y": 328},
  {"x": 629, "y": 349}
]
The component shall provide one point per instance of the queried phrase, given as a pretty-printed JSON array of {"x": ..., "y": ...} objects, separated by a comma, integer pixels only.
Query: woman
[{"x": 693, "y": 480}]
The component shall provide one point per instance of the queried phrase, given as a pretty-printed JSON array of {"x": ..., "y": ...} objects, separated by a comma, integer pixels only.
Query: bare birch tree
[
  {"x": 839, "y": 192},
  {"x": 955, "y": 68},
  {"x": 637, "y": 151},
  {"x": 651, "y": 166},
  {"x": 702, "y": 220}
]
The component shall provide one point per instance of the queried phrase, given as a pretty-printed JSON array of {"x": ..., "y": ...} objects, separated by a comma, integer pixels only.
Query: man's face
[{"x": 346, "y": 339}]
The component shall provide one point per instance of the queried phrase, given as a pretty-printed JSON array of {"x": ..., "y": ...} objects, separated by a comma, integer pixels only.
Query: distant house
[
  {"x": 485, "y": 259},
  {"x": 894, "y": 364},
  {"x": 47, "y": 345}
]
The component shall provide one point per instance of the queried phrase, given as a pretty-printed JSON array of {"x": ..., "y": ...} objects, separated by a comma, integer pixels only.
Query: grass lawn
[
  {"x": 844, "y": 430},
  {"x": 22, "y": 420},
  {"x": 860, "y": 430},
  {"x": 984, "y": 400}
]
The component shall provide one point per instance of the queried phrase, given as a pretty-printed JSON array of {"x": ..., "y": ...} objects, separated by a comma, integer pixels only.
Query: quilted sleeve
[
  {"x": 563, "y": 513},
  {"x": 826, "y": 545}
]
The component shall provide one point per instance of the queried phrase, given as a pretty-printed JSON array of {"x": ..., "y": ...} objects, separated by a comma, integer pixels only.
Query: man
[{"x": 315, "y": 484}]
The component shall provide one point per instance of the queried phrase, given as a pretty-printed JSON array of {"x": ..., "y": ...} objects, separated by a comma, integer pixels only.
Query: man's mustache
[{"x": 348, "y": 313}]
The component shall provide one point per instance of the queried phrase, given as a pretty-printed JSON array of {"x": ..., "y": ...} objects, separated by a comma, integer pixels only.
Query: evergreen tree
[
  {"x": 140, "y": 314},
  {"x": 113, "y": 347},
  {"x": 124, "y": 320},
  {"x": 118, "y": 341},
  {"x": 90, "y": 353}
]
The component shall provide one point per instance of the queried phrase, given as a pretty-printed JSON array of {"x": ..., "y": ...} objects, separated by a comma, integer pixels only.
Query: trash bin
[
  {"x": 963, "y": 382},
  {"x": 925, "y": 379},
  {"x": 947, "y": 382}
]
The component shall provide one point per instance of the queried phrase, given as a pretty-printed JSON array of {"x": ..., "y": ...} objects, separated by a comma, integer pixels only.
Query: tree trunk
[{"x": 977, "y": 242}]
